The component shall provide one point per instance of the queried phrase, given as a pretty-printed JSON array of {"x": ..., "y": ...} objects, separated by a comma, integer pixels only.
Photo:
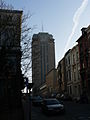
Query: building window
[
  {"x": 74, "y": 76},
  {"x": 69, "y": 60},
  {"x": 77, "y": 56},
  {"x": 73, "y": 59},
  {"x": 69, "y": 75},
  {"x": 70, "y": 89},
  {"x": 78, "y": 75},
  {"x": 66, "y": 61},
  {"x": 75, "y": 90},
  {"x": 9, "y": 18},
  {"x": 79, "y": 89},
  {"x": 83, "y": 65}
]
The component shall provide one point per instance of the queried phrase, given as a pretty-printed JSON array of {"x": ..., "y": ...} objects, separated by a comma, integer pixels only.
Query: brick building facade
[{"x": 84, "y": 52}]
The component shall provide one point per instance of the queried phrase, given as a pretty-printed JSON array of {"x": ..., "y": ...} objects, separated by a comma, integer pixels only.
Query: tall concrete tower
[{"x": 43, "y": 58}]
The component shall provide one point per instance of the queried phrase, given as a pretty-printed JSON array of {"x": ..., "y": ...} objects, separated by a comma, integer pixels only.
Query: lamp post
[
  {"x": 28, "y": 97},
  {"x": 30, "y": 85}
]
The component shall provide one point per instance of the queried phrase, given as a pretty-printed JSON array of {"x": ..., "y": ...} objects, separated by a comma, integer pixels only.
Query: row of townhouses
[{"x": 72, "y": 75}]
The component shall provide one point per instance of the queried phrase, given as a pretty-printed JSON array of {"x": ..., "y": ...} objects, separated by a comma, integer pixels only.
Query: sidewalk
[
  {"x": 26, "y": 108},
  {"x": 15, "y": 114},
  {"x": 21, "y": 113}
]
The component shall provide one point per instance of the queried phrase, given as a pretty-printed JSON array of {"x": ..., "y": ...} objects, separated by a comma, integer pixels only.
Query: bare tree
[
  {"x": 3, "y": 5},
  {"x": 26, "y": 45}
]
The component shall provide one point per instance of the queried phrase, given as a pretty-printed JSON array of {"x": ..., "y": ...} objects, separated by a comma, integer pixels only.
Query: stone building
[
  {"x": 69, "y": 74},
  {"x": 84, "y": 52},
  {"x": 61, "y": 76},
  {"x": 69, "y": 82},
  {"x": 51, "y": 82},
  {"x": 75, "y": 72},
  {"x": 43, "y": 58},
  {"x": 51, "y": 86},
  {"x": 11, "y": 79}
]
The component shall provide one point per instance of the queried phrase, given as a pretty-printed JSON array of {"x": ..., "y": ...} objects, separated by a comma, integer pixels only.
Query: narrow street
[{"x": 74, "y": 111}]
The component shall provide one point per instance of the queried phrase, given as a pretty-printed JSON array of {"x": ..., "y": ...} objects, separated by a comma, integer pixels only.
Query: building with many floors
[
  {"x": 11, "y": 79},
  {"x": 61, "y": 78},
  {"x": 84, "y": 54},
  {"x": 68, "y": 72},
  {"x": 75, "y": 72},
  {"x": 51, "y": 82},
  {"x": 43, "y": 58},
  {"x": 51, "y": 86}
]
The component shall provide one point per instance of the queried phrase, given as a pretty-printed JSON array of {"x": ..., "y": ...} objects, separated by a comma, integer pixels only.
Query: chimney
[{"x": 83, "y": 30}]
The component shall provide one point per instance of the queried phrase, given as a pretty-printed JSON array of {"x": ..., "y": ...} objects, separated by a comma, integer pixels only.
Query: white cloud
[{"x": 76, "y": 18}]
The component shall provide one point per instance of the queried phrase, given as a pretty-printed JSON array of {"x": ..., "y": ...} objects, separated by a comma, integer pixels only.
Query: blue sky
[{"x": 57, "y": 19}]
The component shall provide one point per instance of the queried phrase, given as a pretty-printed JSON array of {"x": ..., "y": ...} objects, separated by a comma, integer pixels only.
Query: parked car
[
  {"x": 52, "y": 105},
  {"x": 37, "y": 100}
]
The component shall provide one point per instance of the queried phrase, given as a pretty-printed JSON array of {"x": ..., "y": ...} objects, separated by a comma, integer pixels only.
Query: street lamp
[
  {"x": 30, "y": 85},
  {"x": 28, "y": 88}
]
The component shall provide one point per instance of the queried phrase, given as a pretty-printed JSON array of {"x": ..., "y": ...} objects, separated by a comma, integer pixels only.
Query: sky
[{"x": 61, "y": 18}]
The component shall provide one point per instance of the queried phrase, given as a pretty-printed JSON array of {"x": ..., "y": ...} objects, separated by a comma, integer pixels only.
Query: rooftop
[{"x": 11, "y": 11}]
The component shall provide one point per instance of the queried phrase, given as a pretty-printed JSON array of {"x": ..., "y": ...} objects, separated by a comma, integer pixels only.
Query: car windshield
[
  {"x": 37, "y": 98},
  {"x": 52, "y": 102}
]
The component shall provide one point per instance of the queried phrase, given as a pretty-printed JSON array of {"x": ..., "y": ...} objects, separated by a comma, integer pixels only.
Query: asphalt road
[{"x": 74, "y": 111}]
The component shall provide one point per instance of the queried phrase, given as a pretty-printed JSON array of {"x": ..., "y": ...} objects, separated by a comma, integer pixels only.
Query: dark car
[
  {"x": 52, "y": 105},
  {"x": 37, "y": 100}
]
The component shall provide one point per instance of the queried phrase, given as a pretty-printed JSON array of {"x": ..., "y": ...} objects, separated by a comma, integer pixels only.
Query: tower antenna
[{"x": 42, "y": 27}]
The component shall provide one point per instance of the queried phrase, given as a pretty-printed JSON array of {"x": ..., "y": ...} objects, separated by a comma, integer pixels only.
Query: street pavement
[{"x": 74, "y": 111}]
